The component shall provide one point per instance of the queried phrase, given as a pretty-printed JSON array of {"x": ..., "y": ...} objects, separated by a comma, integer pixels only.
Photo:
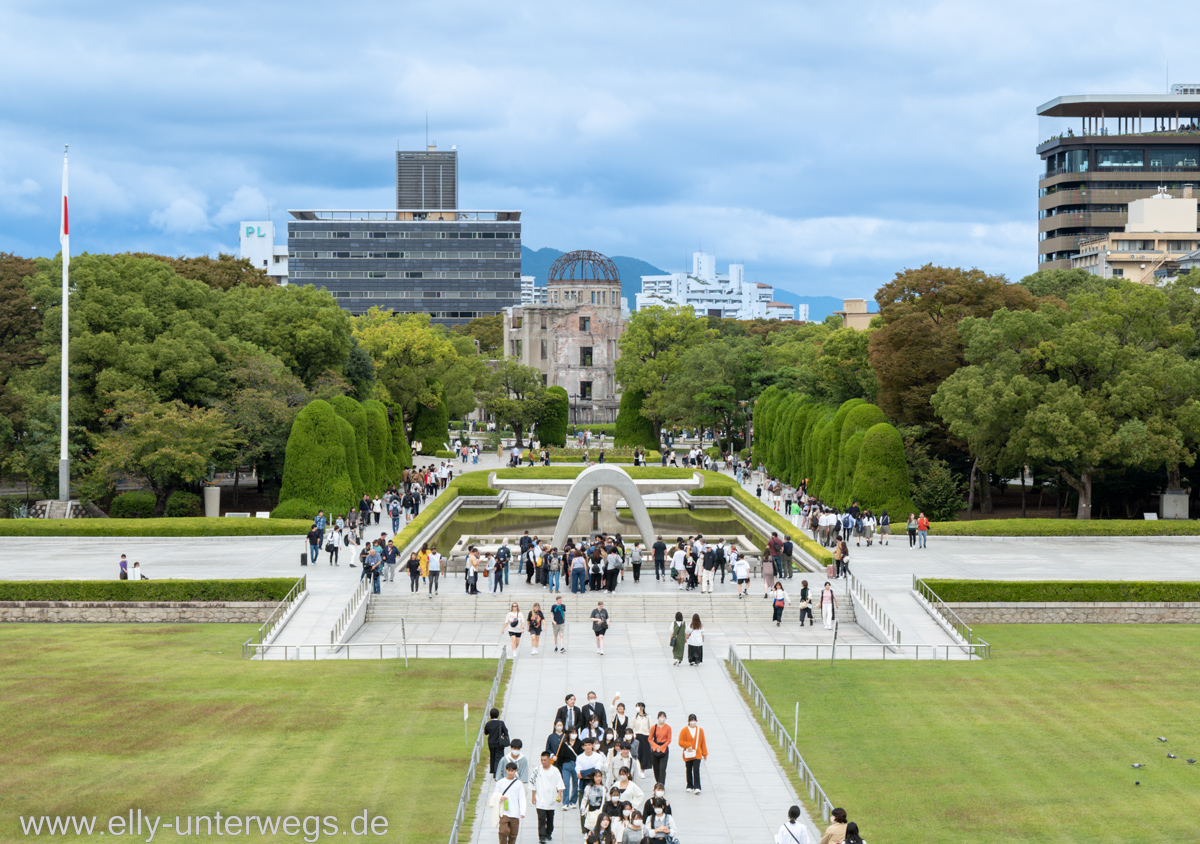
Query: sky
[{"x": 825, "y": 146}]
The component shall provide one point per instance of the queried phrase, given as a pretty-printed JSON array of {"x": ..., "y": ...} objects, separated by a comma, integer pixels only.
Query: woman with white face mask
[
  {"x": 695, "y": 751},
  {"x": 661, "y": 825}
]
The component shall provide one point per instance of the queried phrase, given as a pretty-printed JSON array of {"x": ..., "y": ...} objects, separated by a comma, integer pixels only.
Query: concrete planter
[
  {"x": 1078, "y": 612},
  {"x": 123, "y": 612}
]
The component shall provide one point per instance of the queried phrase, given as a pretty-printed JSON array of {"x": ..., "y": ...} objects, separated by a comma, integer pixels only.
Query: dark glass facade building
[
  {"x": 454, "y": 265},
  {"x": 1109, "y": 151}
]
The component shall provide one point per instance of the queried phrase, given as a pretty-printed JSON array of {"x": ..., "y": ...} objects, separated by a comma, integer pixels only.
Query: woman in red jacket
[{"x": 695, "y": 751}]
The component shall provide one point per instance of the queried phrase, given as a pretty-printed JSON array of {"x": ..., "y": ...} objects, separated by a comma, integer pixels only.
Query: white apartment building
[
  {"x": 256, "y": 242},
  {"x": 530, "y": 293},
  {"x": 710, "y": 293}
]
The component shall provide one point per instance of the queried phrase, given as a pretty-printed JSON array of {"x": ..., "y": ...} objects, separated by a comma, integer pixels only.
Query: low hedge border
[
  {"x": 164, "y": 527},
  {"x": 264, "y": 589},
  {"x": 560, "y": 473},
  {"x": 1066, "y": 527},
  {"x": 1060, "y": 591}
]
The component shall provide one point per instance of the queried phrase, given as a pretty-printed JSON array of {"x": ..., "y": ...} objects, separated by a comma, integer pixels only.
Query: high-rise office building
[
  {"x": 1105, "y": 152},
  {"x": 427, "y": 180},
  {"x": 454, "y": 265}
]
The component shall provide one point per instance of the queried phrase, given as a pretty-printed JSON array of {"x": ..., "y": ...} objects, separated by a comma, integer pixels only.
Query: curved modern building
[{"x": 1122, "y": 148}]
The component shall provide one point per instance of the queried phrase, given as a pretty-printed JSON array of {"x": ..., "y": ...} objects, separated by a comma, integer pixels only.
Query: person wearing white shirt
[
  {"x": 741, "y": 571},
  {"x": 548, "y": 786},
  {"x": 587, "y": 762},
  {"x": 623, "y": 759},
  {"x": 435, "y": 570},
  {"x": 660, "y": 826},
  {"x": 792, "y": 832},
  {"x": 629, "y": 789},
  {"x": 678, "y": 565},
  {"x": 509, "y": 795}
]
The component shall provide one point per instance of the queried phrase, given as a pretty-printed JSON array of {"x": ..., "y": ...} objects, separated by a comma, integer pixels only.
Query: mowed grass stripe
[
  {"x": 1034, "y": 745},
  {"x": 103, "y": 718}
]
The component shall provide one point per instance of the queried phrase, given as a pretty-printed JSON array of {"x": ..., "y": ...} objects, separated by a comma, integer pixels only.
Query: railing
[
  {"x": 855, "y": 587},
  {"x": 450, "y": 646},
  {"x": 360, "y": 595},
  {"x": 280, "y": 611},
  {"x": 251, "y": 649},
  {"x": 807, "y": 778},
  {"x": 777, "y": 650},
  {"x": 464, "y": 799},
  {"x": 950, "y": 616}
]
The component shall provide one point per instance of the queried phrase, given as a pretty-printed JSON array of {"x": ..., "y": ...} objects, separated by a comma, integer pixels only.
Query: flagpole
[{"x": 64, "y": 463}]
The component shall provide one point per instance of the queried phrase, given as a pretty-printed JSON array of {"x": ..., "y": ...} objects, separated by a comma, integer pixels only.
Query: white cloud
[
  {"x": 247, "y": 203},
  {"x": 182, "y": 216}
]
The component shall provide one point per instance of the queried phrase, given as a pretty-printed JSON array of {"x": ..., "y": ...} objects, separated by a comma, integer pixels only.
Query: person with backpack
[
  {"x": 859, "y": 528},
  {"x": 885, "y": 527},
  {"x": 503, "y": 555},
  {"x": 554, "y": 571},
  {"x": 558, "y": 620},
  {"x": 788, "y": 548}
]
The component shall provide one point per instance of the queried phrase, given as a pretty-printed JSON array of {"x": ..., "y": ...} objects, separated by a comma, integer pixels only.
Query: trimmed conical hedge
[
  {"x": 634, "y": 429},
  {"x": 350, "y": 410},
  {"x": 401, "y": 458},
  {"x": 379, "y": 444},
  {"x": 350, "y": 444},
  {"x": 881, "y": 476},
  {"x": 314, "y": 467},
  {"x": 552, "y": 426}
]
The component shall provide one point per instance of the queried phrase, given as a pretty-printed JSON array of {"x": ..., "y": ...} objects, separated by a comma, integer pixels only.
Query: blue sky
[{"x": 826, "y": 146}]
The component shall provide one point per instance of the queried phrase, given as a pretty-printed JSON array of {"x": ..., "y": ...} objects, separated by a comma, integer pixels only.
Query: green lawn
[
  {"x": 101, "y": 719},
  {"x": 1034, "y": 745}
]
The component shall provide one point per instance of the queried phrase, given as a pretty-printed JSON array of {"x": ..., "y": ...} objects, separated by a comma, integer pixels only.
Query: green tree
[
  {"x": 1103, "y": 384},
  {"x": 652, "y": 347},
  {"x": 1063, "y": 284},
  {"x": 360, "y": 370},
  {"x": 487, "y": 331},
  {"x": 842, "y": 367},
  {"x": 401, "y": 453},
  {"x": 301, "y": 325},
  {"x": 552, "y": 425},
  {"x": 20, "y": 325},
  {"x": 224, "y": 272},
  {"x": 431, "y": 426},
  {"x": 918, "y": 344},
  {"x": 515, "y": 395},
  {"x": 315, "y": 474},
  {"x": 411, "y": 353},
  {"x": 633, "y": 429},
  {"x": 263, "y": 399},
  {"x": 164, "y": 445}
]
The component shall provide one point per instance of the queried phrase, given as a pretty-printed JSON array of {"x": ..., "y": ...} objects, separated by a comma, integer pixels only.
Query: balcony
[{"x": 1084, "y": 219}]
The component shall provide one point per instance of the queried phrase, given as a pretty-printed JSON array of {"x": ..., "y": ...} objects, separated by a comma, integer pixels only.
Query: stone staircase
[{"x": 715, "y": 608}]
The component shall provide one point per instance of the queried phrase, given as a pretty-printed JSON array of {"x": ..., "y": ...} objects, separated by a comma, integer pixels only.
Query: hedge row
[
  {"x": 266, "y": 589},
  {"x": 559, "y": 473},
  {"x": 156, "y": 527},
  {"x": 552, "y": 426},
  {"x": 1024, "y": 591},
  {"x": 849, "y": 453},
  {"x": 1067, "y": 527}
]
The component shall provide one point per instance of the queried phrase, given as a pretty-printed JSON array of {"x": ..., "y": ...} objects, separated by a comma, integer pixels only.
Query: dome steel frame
[{"x": 575, "y": 266}]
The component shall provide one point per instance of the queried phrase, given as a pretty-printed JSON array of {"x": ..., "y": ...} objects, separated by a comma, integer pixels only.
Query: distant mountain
[
  {"x": 819, "y": 307},
  {"x": 537, "y": 264}
]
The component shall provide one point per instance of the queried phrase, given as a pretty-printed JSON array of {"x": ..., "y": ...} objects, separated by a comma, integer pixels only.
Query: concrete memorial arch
[{"x": 593, "y": 478}]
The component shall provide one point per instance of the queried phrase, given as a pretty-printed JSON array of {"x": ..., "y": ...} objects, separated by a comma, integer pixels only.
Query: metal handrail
[
  {"x": 981, "y": 650},
  {"x": 961, "y": 627},
  {"x": 807, "y": 778},
  {"x": 464, "y": 799},
  {"x": 268, "y": 626},
  {"x": 339, "y": 626},
  {"x": 252, "y": 649},
  {"x": 884, "y": 622}
]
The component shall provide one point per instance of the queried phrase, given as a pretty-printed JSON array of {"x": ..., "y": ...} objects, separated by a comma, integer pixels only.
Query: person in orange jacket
[{"x": 695, "y": 751}]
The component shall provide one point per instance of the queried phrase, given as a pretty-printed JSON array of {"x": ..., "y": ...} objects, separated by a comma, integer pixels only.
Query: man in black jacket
[
  {"x": 660, "y": 559},
  {"x": 496, "y": 734},
  {"x": 594, "y": 706},
  {"x": 570, "y": 715}
]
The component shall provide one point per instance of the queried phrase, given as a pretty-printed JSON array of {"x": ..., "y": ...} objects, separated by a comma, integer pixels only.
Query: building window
[
  {"x": 545, "y": 379},
  {"x": 585, "y": 355},
  {"x": 1120, "y": 157},
  {"x": 516, "y": 322},
  {"x": 543, "y": 350},
  {"x": 1118, "y": 274},
  {"x": 585, "y": 323},
  {"x": 585, "y": 390},
  {"x": 544, "y": 322}
]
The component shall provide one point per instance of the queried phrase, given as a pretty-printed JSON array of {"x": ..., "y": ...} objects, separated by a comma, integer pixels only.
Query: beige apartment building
[
  {"x": 1160, "y": 233},
  {"x": 854, "y": 314},
  {"x": 572, "y": 336}
]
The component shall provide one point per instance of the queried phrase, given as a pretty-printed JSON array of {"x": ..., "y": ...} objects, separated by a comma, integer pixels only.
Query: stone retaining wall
[
  {"x": 1078, "y": 613},
  {"x": 122, "y": 612}
]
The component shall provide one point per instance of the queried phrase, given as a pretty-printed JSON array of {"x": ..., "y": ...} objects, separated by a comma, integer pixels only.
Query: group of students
[{"x": 593, "y": 764}]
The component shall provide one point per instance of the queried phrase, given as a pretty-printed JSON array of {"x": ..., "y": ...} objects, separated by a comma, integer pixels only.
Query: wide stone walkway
[{"x": 745, "y": 794}]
